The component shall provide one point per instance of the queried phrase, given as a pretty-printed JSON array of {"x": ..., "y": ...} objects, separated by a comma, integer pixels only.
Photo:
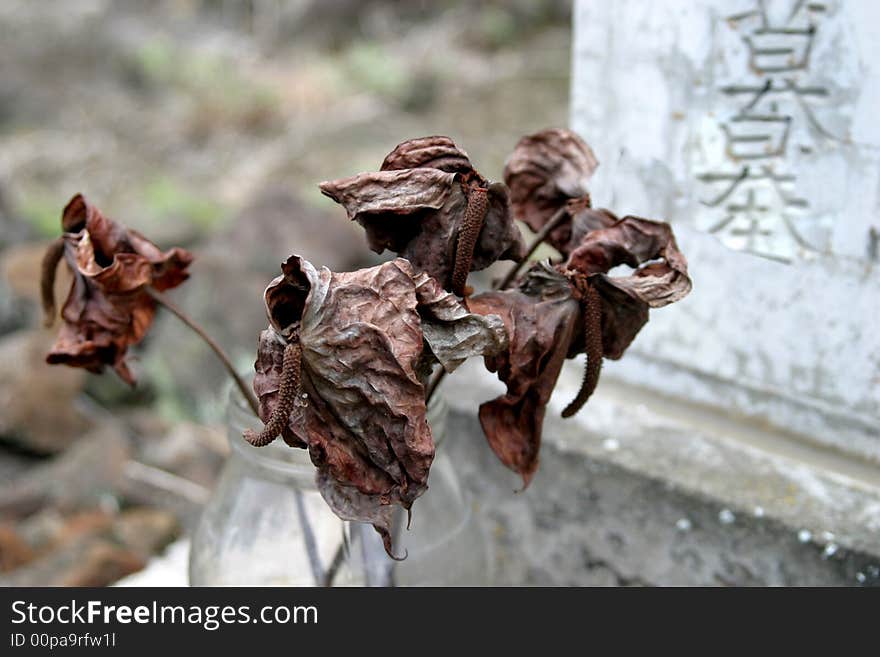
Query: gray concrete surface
[{"x": 639, "y": 490}]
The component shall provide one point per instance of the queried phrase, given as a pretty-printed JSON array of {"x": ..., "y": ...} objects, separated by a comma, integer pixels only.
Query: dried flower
[
  {"x": 659, "y": 275},
  {"x": 429, "y": 205},
  {"x": 573, "y": 308},
  {"x": 548, "y": 173},
  {"x": 364, "y": 343},
  {"x": 108, "y": 308},
  {"x": 541, "y": 320}
]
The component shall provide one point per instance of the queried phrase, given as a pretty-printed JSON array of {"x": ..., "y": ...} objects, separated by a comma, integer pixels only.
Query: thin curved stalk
[
  {"x": 433, "y": 383},
  {"x": 335, "y": 565},
  {"x": 540, "y": 236},
  {"x": 178, "y": 312},
  {"x": 48, "y": 267}
]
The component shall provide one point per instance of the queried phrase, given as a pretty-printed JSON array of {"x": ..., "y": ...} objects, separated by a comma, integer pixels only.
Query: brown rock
[
  {"x": 84, "y": 523},
  {"x": 49, "y": 530},
  {"x": 77, "y": 479},
  {"x": 89, "y": 561},
  {"x": 40, "y": 530},
  {"x": 101, "y": 563},
  {"x": 87, "y": 548},
  {"x": 37, "y": 401},
  {"x": 186, "y": 449},
  {"x": 14, "y": 551},
  {"x": 20, "y": 286},
  {"x": 145, "y": 531}
]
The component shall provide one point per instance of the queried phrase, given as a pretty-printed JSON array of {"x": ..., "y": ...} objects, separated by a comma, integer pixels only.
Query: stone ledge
[{"x": 643, "y": 489}]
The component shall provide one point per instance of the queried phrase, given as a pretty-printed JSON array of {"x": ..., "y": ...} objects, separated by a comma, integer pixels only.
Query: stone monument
[{"x": 751, "y": 126}]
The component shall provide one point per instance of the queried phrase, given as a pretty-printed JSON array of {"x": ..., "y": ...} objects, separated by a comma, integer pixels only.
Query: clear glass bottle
[{"x": 267, "y": 525}]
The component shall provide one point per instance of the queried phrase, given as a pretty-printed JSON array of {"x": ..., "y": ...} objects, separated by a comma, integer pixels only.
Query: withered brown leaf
[
  {"x": 368, "y": 339},
  {"x": 659, "y": 276},
  {"x": 547, "y": 321},
  {"x": 108, "y": 308},
  {"x": 541, "y": 319},
  {"x": 429, "y": 205},
  {"x": 549, "y": 172},
  {"x": 581, "y": 220},
  {"x": 435, "y": 152}
]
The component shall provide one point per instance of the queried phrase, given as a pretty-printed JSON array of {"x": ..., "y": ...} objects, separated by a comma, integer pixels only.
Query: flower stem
[
  {"x": 48, "y": 267},
  {"x": 433, "y": 383},
  {"x": 178, "y": 312},
  {"x": 334, "y": 567},
  {"x": 557, "y": 219}
]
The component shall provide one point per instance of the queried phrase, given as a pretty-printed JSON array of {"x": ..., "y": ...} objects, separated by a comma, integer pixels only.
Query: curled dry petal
[
  {"x": 556, "y": 313},
  {"x": 108, "y": 308},
  {"x": 435, "y": 152},
  {"x": 545, "y": 171},
  {"x": 365, "y": 337},
  {"x": 349, "y": 503},
  {"x": 583, "y": 220},
  {"x": 417, "y": 206},
  {"x": 541, "y": 318},
  {"x": 451, "y": 332},
  {"x": 660, "y": 275}
]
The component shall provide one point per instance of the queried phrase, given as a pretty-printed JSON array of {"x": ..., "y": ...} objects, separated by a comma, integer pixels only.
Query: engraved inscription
[{"x": 751, "y": 192}]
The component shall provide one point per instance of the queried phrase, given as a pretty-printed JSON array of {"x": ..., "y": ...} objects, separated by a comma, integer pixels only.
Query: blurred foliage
[
  {"x": 372, "y": 67},
  {"x": 43, "y": 213},
  {"x": 166, "y": 200},
  {"x": 496, "y": 27},
  {"x": 110, "y": 391},
  {"x": 170, "y": 402},
  {"x": 221, "y": 97}
]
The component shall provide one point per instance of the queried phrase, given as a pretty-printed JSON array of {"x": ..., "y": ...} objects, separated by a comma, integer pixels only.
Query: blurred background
[{"x": 207, "y": 124}]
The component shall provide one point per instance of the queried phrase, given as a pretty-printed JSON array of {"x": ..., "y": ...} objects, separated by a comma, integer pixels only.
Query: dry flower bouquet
[{"x": 349, "y": 360}]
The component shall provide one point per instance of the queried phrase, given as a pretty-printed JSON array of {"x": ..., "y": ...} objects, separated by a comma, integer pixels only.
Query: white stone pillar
[{"x": 754, "y": 127}]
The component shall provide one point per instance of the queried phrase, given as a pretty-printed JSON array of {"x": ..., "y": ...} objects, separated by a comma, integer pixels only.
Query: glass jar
[{"x": 266, "y": 524}]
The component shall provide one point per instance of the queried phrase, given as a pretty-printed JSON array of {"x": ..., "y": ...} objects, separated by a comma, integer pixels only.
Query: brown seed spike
[
  {"x": 477, "y": 206},
  {"x": 592, "y": 309},
  {"x": 290, "y": 387},
  {"x": 49, "y": 266}
]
